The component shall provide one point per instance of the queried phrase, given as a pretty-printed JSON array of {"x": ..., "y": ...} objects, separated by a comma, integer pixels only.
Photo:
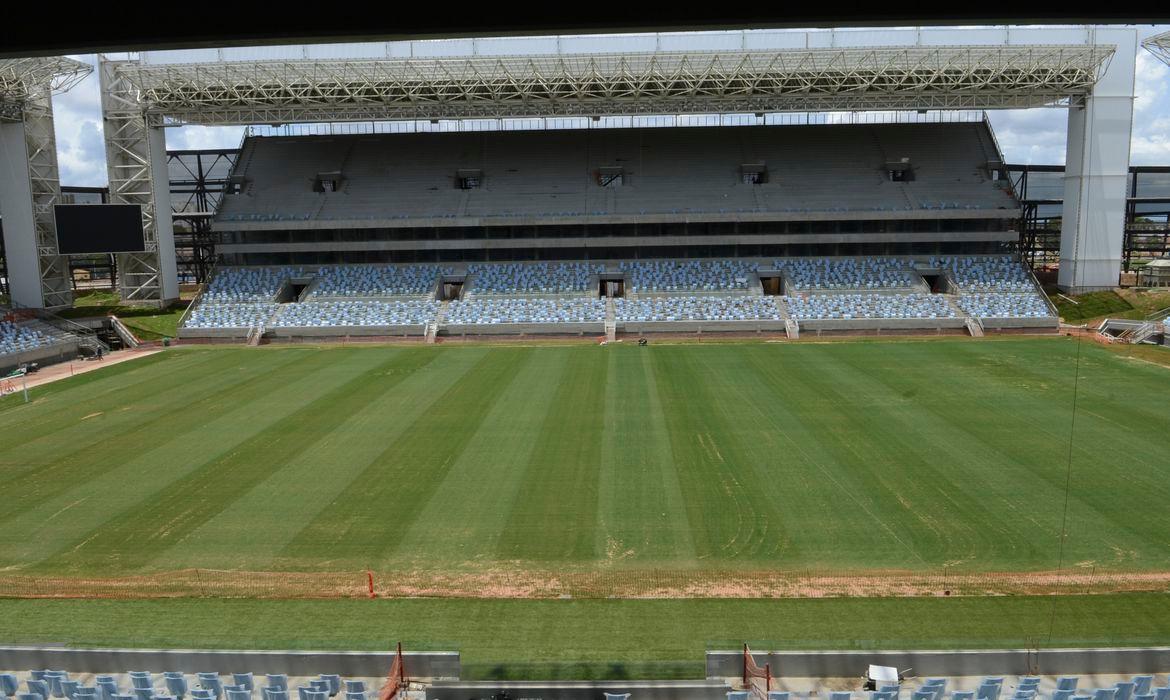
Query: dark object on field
[{"x": 642, "y": 342}]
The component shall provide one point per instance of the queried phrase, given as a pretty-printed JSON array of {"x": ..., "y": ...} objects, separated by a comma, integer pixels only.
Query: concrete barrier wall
[
  {"x": 883, "y": 324},
  {"x": 699, "y": 326},
  {"x": 58, "y": 352},
  {"x": 522, "y": 328},
  {"x": 585, "y": 690},
  {"x": 348, "y": 331},
  {"x": 214, "y": 333},
  {"x": 439, "y": 664},
  {"x": 995, "y": 662},
  {"x": 1041, "y": 324}
]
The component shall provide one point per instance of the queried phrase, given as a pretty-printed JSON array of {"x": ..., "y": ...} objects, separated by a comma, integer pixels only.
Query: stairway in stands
[{"x": 610, "y": 320}]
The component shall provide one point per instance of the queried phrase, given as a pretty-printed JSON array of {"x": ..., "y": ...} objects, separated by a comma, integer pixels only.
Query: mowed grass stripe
[
  {"x": 365, "y": 524},
  {"x": 136, "y": 537},
  {"x": 60, "y": 430},
  {"x": 462, "y": 522},
  {"x": 1027, "y": 489},
  {"x": 716, "y": 438},
  {"x": 641, "y": 501},
  {"x": 108, "y": 379},
  {"x": 46, "y": 478},
  {"x": 887, "y": 459},
  {"x": 554, "y": 515},
  {"x": 135, "y": 478},
  {"x": 252, "y": 531},
  {"x": 935, "y": 470}
]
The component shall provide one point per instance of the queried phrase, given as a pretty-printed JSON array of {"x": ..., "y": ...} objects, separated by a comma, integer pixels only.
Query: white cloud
[
  {"x": 201, "y": 137},
  {"x": 1026, "y": 136}
]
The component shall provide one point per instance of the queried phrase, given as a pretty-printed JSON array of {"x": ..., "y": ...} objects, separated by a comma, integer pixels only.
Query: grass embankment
[
  {"x": 147, "y": 323},
  {"x": 1096, "y": 306}
]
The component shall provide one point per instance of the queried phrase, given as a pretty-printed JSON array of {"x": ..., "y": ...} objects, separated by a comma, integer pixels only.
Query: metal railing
[
  {"x": 198, "y": 296},
  {"x": 87, "y": 337}
]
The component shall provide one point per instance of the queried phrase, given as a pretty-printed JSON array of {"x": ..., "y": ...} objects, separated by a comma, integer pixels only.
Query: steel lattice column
[
  {"x": 136, "y": 162},
  {"x": 38, "y": 276}
]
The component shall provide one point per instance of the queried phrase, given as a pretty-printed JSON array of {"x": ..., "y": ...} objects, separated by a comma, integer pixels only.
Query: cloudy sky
[{"x": 1027, "y": 136}]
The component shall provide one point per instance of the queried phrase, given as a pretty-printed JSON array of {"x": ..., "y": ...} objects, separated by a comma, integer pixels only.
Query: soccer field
[{"x": 851, "y": 456}]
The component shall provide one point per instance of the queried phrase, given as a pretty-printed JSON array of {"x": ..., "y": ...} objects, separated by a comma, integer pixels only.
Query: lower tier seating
[
  {"x": 220, "y": 315},
  {"x": 356, "y": 313},
  {"x": 999, "y": 305},
  {"x": 697, "y": 308},
  {"x": 524, "y": 310},
  {"x": 859, "y": 306}
]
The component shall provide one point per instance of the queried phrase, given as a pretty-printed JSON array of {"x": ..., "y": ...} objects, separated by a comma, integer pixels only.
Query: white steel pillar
[
  {"x": 29, "y": 187},
  {"x": 16, "y": 206},
  {"x": 164, "y": 230},
  {"x": 1096, "y": 170},
  {"x": 136, "y": 163}
]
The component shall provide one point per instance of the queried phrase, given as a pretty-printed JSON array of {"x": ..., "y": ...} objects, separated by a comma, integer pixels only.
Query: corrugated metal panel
[
  {"x": 874, "y": 37},
  {"x": 612, "y": 43},
  {"x": 159, "y": 58},
  {"x": 700, "y": 41},
  {"x": 444, "y": 47},
  {"x": 264, "y": 53},
  {"x": 959, "y": 37},
  {"x": 519, "y": 46},
  {"x": 775, "y": 39},
  {"x": 1047, "y": 35},
  {"x": 362, "y": 50}
]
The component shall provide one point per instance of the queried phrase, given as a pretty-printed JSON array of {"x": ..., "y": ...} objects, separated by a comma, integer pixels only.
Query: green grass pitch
[
  {"x": 586, "y": 639},
  {"x": 839, "y": 456}
]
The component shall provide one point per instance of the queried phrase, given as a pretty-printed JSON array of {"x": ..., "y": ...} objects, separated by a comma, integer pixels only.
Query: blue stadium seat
[
  {"x": 278, "y": 680},
  {"x": 176, "y": 684},
  {"x": 334, "y": 682}
]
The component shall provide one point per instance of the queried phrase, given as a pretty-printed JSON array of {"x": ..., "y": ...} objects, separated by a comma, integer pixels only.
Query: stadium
[{"x": 738, "y": 364}]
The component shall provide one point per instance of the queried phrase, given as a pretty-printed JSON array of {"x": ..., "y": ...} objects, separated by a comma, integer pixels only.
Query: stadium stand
[
  {"x": 216, "y": 685},
  {"x": 376, "y": 280},
  {"x": 987, "y": 273},
  {"x": 525, "y": 310},
  {"x": 19, "y": 338},
  {"x": 532, "y": 278},
  {"x": 697, "y": 308},
  {"x": 242, "y": 315},
  {"x": 649, "y": 276},
  {"x": 350, "y": 313},
  {"x": 724, "y": 290},
  {"x": 997, "y": 305},
  {"x": 847, "y": 273},
  {"x": 176, "y": 685},
  {"x": 234, "y": 285},
  {"x": 400, "y": 178},
  {"x": 870, "y": 305}
]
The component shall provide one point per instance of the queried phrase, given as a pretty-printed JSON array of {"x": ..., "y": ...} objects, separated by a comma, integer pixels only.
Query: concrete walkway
[{"x": 63, "y": 370}]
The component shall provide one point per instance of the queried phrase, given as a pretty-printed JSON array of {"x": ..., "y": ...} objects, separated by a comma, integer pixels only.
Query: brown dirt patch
[{"x": 630, "y": 584}]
